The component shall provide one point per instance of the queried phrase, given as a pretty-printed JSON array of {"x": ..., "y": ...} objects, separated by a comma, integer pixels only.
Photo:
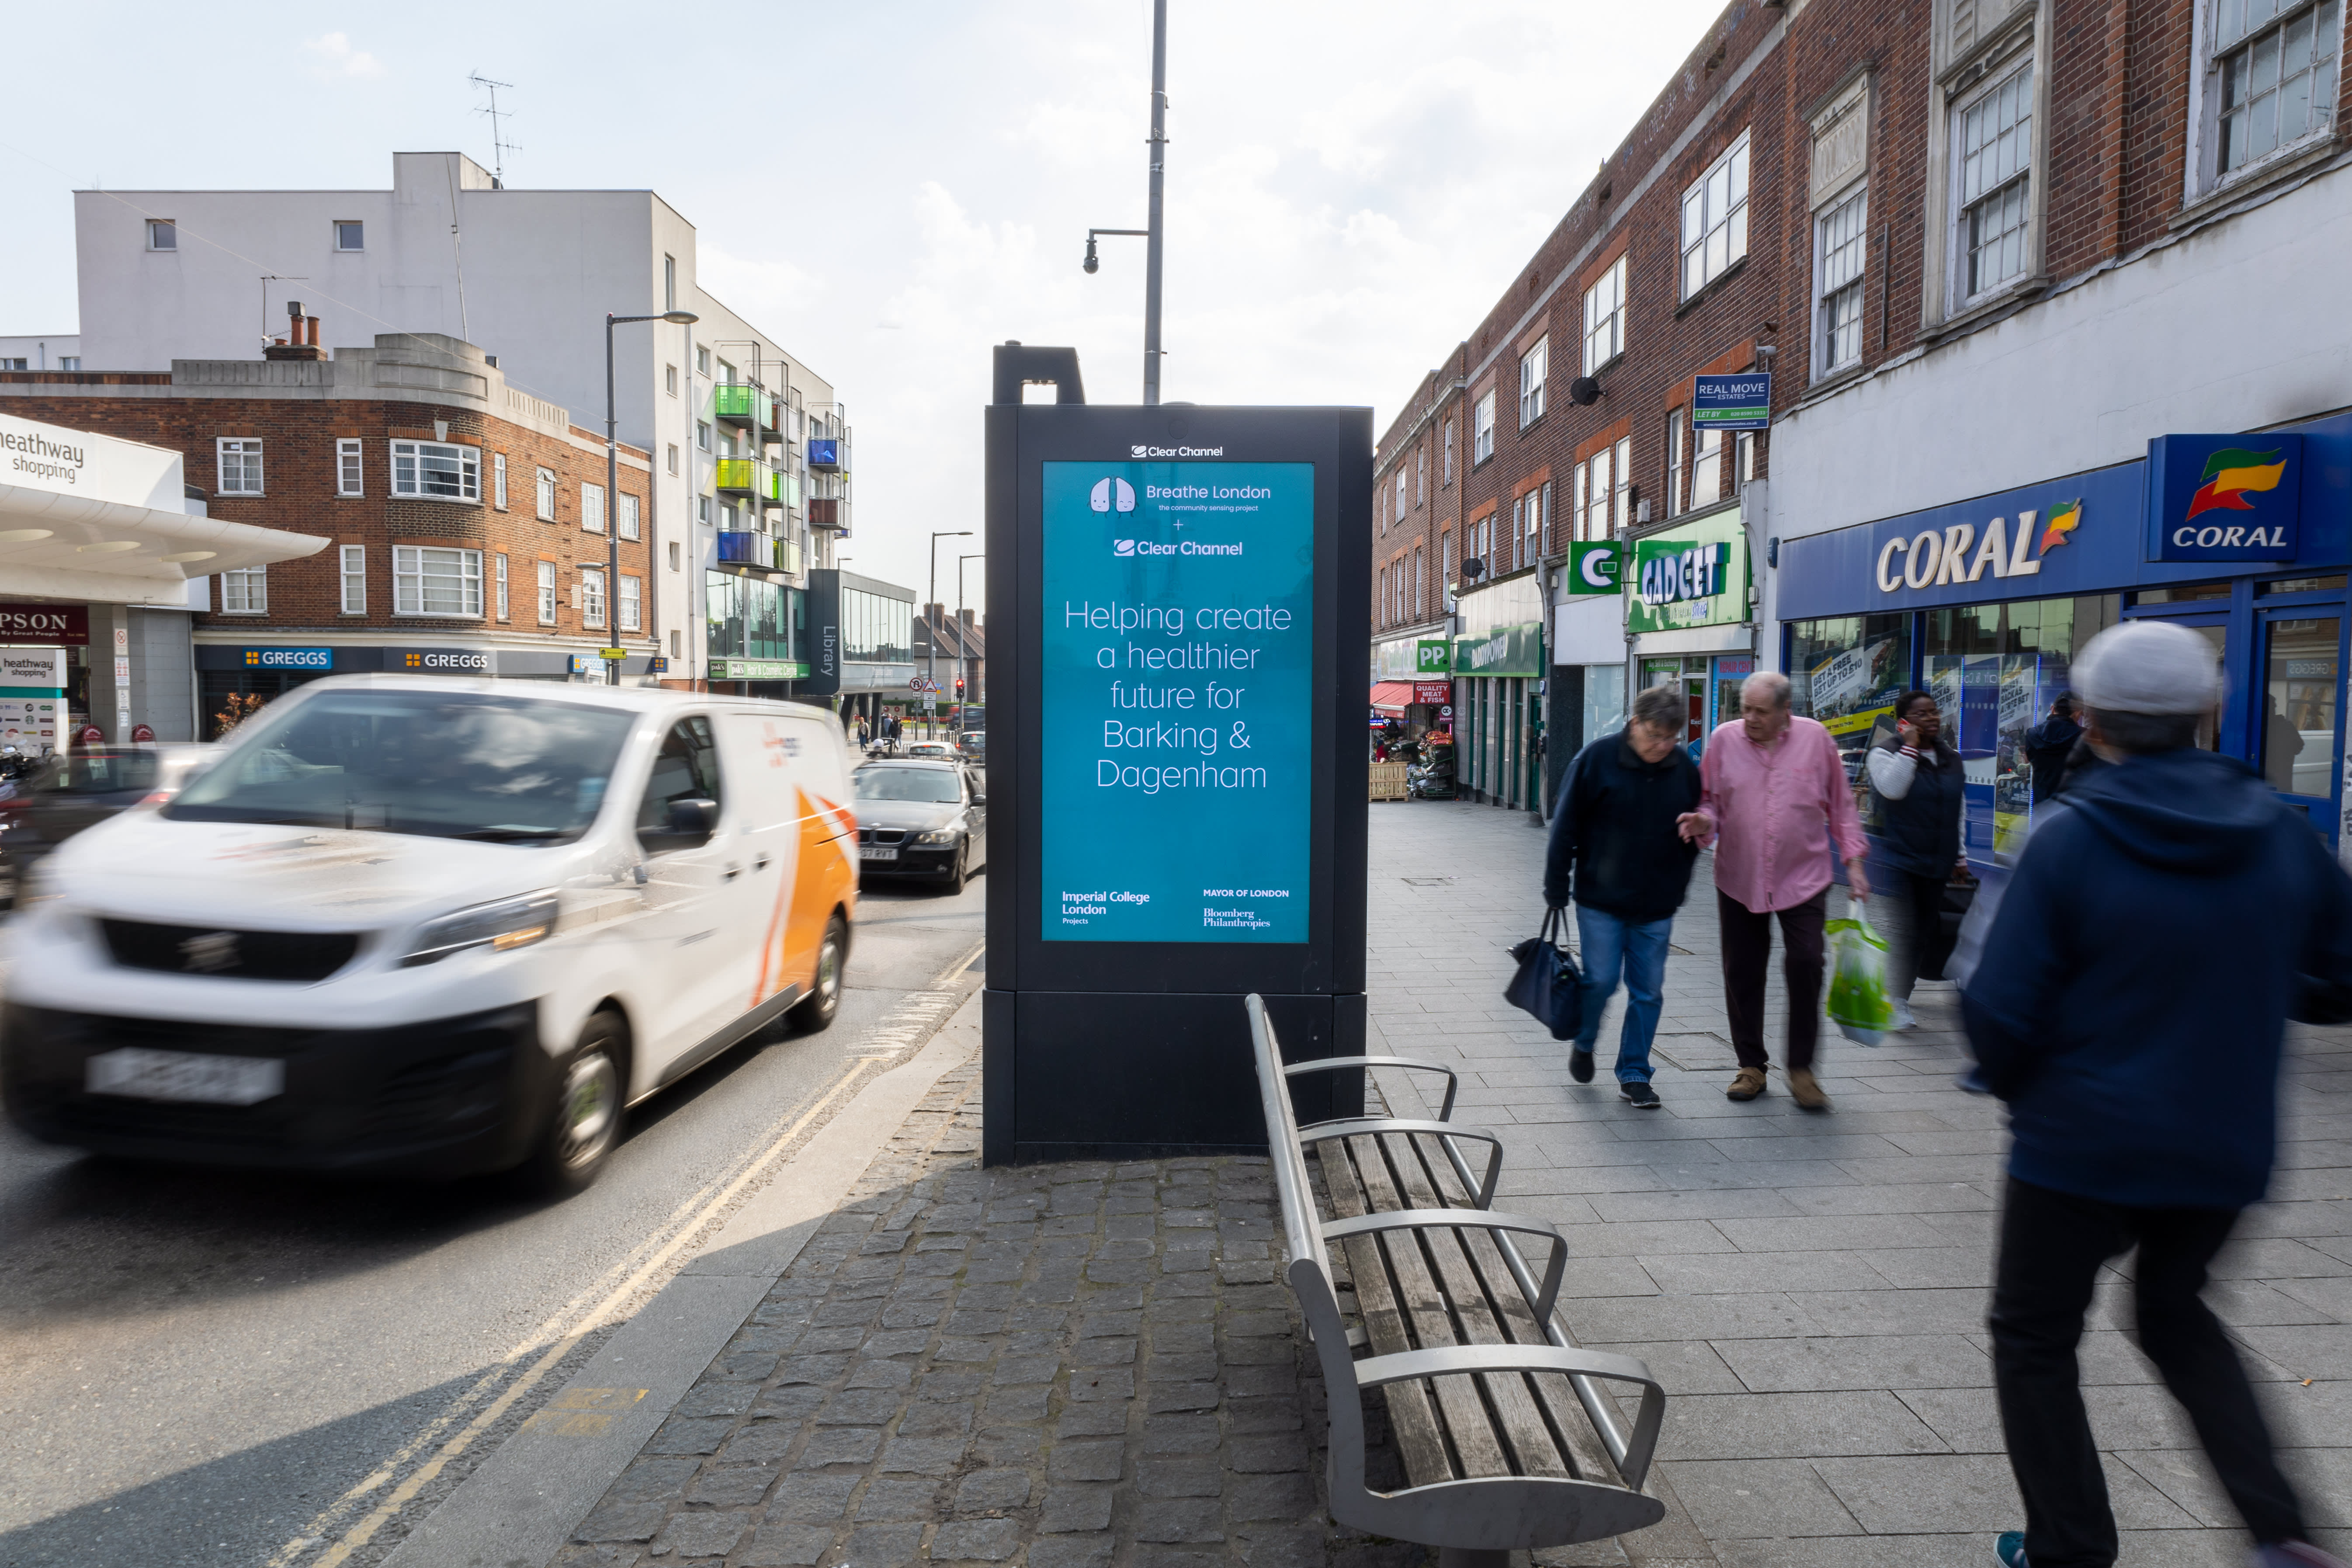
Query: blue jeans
[{"x": 1638, "y": 950}]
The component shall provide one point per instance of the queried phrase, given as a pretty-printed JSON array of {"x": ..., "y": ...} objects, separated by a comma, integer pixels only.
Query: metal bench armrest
[
  {"x": 1318, "y": 1131},
  {"x": 1465, "y": 1219},
  {"x": 1409, "y": 1063},
  {"x": 1632, "y": 1460}
]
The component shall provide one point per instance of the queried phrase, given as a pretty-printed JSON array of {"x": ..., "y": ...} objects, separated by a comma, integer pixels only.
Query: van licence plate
[
  {"x": 182, "y": 1075},
  {"x": 877, "y": 852}
]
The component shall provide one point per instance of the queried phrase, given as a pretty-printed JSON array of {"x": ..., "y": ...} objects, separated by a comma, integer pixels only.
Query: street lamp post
[
  {"x": 930, "y": 628},
  {"x": 963, "y": 647},
  {"x": 613, "y": 489},
  {"x": 1154, "y": 235}
]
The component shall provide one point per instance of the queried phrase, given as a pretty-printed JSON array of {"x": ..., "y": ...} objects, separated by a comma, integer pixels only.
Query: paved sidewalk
[{"x": 1811, "y": 1289}]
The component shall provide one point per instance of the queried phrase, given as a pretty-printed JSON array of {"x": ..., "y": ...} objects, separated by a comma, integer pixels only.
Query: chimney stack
[{"x": 301, "y": 338}]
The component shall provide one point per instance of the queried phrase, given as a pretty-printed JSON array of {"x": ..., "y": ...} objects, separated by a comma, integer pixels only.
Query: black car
[
  {"x": 916, "y": 817},
  {"x": 82, "y": 788}
]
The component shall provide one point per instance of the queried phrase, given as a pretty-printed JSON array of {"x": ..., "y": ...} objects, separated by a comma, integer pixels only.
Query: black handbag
[{"x": 1548, "y": 985}]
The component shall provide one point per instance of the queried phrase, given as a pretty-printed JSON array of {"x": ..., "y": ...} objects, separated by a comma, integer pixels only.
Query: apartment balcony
[
  {"x": 826, "y": 512},
  {"x": 737, "y": 476},
  {"x": 740, "y": 403},
  {"x": 742, "y": 549},
  {"x": 829, "y": 455}
]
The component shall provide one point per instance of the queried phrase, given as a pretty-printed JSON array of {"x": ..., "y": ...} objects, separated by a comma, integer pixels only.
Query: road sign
[{"x": 614, "y": 654}]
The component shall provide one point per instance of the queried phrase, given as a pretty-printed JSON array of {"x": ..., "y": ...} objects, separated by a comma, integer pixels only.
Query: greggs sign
[{"x": 2224, "y": 497}]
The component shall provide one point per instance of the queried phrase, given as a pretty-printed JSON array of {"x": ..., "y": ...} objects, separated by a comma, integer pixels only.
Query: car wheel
[
  {"x": 583, "y": 1123},
  {"x": 817, "y": 1009},
  {"x": 953, "y": 881}
]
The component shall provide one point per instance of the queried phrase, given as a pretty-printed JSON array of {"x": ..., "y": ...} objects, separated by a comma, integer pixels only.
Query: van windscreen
[{"x": 465, "y": 765}]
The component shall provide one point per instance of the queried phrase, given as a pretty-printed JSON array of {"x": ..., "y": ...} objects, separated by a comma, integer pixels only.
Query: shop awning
[
  {"x": 1393, "y": 696},
  {"x": 79, "y": 547}
]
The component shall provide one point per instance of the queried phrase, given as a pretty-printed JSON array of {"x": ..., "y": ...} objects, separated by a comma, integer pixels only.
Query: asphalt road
[{"x": 195, "y": 1366}]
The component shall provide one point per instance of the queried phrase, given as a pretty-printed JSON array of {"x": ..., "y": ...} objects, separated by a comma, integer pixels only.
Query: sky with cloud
[{"x": 892, "y": 186}]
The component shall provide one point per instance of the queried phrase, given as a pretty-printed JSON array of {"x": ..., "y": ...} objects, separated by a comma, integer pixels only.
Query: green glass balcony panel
[
  {"x": 737, "y": 401},
  {"x": 737, "y": 474}
]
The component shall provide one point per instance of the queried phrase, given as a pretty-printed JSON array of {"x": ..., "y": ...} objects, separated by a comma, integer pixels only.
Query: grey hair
[
  {"x": 1769, "y": 683},
  {"x": 2143, "y": 734},
  {"x": 1660, "y": 707}
]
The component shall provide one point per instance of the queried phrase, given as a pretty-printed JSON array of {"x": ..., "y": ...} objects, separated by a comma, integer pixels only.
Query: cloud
[{"x": 331, "y": 56}]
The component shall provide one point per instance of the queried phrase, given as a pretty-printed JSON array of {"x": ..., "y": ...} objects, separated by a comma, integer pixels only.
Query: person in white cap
[{"x": 2130, "y": 1006}]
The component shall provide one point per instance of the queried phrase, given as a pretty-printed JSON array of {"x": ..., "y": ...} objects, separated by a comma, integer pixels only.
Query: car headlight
[
  {"x": 502, "y": 926},
  {"x": 939, "y": 836}
]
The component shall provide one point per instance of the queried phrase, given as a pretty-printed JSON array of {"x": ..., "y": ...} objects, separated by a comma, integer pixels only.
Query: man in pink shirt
[{"x": 1773, "y": 788}]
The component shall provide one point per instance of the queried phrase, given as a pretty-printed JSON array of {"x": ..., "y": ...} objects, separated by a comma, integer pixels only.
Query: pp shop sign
[{"x": 2224, "y": 497}]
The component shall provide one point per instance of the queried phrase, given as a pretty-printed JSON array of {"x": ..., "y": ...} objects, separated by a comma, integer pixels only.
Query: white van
[{"x": 433, "y": 925}]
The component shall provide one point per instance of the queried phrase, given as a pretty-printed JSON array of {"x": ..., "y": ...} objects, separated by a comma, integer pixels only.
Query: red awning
[{"x": 1393, "y": 696}]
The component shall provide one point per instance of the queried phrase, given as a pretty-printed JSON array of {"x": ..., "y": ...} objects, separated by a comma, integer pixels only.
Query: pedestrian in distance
[
  {"x": 2048, "y": 746},
  {"x": 1774, "y": 795},
  {"x": 1616, "y": 850},
  {"x": 2158, "y": 930},
  {"x": 1917, "y": 780}
]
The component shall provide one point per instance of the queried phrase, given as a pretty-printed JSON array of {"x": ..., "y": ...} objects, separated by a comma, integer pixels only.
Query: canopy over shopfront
[
  {"x": 89, "y": 517},
  {"x": 1393, "y": 696}
]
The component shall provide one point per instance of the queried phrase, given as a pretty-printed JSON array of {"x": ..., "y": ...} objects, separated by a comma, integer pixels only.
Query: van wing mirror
[{"x": 689, "y": 824}]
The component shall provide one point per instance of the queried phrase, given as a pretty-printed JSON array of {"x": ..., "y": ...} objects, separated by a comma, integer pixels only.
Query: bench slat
[
  {"x": 1427, "y": 1313},
  {"x": 1524, "y": 1428},
  {"x": 1414, "y": 1420},
  {"x": 1571, "y": 1426}
]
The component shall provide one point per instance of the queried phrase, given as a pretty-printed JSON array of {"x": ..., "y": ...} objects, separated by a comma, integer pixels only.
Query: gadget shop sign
[{"x": 43, "y": 626}]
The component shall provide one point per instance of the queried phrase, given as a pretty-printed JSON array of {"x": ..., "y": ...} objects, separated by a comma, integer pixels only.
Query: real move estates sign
[{"x": 1178, "y": 655}]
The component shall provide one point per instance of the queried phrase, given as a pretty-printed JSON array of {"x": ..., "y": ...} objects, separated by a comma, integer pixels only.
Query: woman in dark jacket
[{"x": 1916, "y": 776}]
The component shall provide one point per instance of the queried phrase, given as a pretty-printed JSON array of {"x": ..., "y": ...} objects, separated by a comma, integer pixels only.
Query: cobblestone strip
[{"x": 1071, "y": 1366}]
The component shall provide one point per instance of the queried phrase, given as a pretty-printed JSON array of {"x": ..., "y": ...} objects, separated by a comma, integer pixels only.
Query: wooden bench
[{"x": 1509, "y": 1439}]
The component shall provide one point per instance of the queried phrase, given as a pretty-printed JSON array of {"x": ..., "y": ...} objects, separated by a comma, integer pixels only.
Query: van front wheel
[
  {"x": 817, "y": 1009},
  {"x": 585, "y": 1122}
]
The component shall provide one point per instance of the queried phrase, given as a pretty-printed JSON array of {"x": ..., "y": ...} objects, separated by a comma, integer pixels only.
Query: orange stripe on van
[{"x": 823, "y": 876}]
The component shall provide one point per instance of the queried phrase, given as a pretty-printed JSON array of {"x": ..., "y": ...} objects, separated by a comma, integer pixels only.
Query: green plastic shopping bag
[{"x": 1859, "y": 1004}]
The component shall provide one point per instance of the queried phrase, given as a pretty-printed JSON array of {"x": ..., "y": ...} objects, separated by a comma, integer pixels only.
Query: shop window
[
  {"x": 1846, "y": 672},
  {"x": 2194, "y": 593},
  {"x": 2301, "y": 682},
  {"x": 2298, "y": 585}
]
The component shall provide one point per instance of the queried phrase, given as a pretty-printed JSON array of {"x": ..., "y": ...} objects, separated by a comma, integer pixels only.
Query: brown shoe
[
  {"x": 1806, "y": 1090},
  {"x": 1746, "y": 1084}
]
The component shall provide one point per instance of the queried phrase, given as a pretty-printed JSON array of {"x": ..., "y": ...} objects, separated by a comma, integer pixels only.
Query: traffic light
[{"x": 959, "y": 686}]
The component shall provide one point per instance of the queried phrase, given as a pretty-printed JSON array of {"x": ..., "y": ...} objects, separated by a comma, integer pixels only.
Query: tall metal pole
[
  {"x": 1158, "y": 146},
  {"x": 612, "y": 512}
]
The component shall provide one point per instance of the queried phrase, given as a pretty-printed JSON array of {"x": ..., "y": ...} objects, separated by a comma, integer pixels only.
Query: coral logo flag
[
  {"x": 2230, "y": 473},
  {"x": 2224, "y": 497}
]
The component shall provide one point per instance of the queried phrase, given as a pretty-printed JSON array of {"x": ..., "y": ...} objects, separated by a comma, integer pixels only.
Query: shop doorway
[{"x": 1690, "y": 676}]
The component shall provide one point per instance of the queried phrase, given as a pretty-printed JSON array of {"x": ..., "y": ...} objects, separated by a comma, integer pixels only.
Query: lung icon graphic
[
  {"x": 1102, "y": 495},
  {"x": 1099, "y": 497}
]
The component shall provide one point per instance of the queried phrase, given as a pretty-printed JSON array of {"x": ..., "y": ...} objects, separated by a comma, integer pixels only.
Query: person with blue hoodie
[{"x": 2129, "y": 1005}]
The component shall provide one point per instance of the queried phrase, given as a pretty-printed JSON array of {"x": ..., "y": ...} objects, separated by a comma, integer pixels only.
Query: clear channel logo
[
  {"x": 1122, "y": 547},
  {"x": 1107, "y": 491}
]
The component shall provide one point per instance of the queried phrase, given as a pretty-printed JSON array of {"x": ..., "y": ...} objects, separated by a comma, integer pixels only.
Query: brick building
[
  {"x": 466, "y": 521},
  {"x": 1985, "y": 249}
]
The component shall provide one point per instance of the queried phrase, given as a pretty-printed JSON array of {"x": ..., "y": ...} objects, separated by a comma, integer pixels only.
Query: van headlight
[{"x": 502, "y": 926}]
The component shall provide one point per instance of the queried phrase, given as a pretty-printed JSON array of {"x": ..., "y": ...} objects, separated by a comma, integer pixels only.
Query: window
[
  {"x": 591, "y": 596},
  {"x": 69, "y": 362},
  {"x": 1674, "y": 461},
  {"x": 672, "y": 456},
  {"x": 703, "y": 361},
  {"x": 437, "y": 470},
  {"x": 673, "y": 555},
  {"x": 631, "y": 595},
  {"x": 1620, "y": 499},
  {"x": 246, "y": 591},
  {"x": 162, "y": 233},
  {"x": 1531, "y": 529},
  {"x": 1744, "y": 468},
  {"x": 1548, "y": 548},
  {"x": 1841, "y": 247},
  {"x": 1445, "y": 557},
  {"x": 674, "y": 642},
  {"x": 1706, "y": 469},
  {"x": 498, "y": 480},
  {"x": 1417, "y": 609},
  {"x": 669, "y": 378},
  {"x": 347, "y": 468},
  {"x": 1399, "y": 493},
  {"x": 591, "y": 508},
  {"x": 17, "y": 363},
  {"x": 726, "y": 372},
  {"x": 1482, "y": 429},
  {"x": 430, "y": 581},
  {"x": 350, "y": 234},
  {"x": 355, "y": 579},
  {"x": 502, "y": 587},
  {"x": 628, "y": 516},
  {"x": 238, "y": 468},
  {"x": 1446, "y": 458},
  {"x": 1604, "y": 317},
  {"x": 1715, "y": 219},
  {"x": 547, "y": 495},
  {"x": 547, "y": 593},
  {"x": 1384, "y": 596},
  {"x": 1420, "y": 476},
  {"x": 1531, "y": 382},
  {"x": 1578, "y": 512},
  {"x": 1995, "y": 148},
  {"x": 2273, "y": 75},
  {"x": 702, "y": 436},
  {"x": 686, "y": 768},
  {"x": 1604, "y": 463},
  {"x": 670, "y": 285},
  {"x": 702, "y": 510}
]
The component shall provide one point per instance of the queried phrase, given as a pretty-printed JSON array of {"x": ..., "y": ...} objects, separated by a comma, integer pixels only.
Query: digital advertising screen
[{"x": 1176, "y": 720}]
